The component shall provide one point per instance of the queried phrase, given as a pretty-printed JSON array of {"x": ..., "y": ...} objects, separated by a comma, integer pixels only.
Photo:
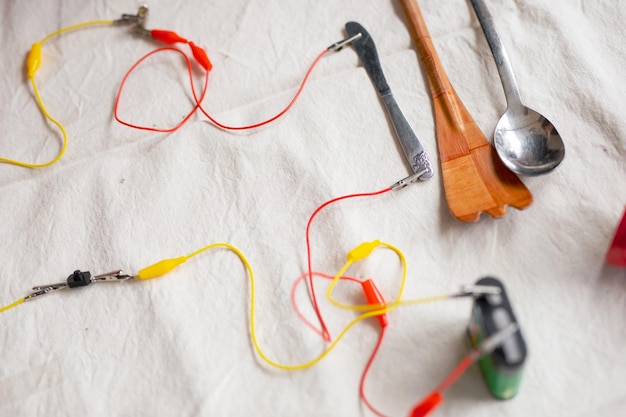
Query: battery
[{"x": 502, "y": 369}]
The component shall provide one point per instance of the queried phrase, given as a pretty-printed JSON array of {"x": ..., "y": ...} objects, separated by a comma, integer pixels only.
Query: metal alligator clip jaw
[
  {"x": 478, "y": 290},
  {"x": 139, "y": 18},
  {"x": 39, "y": 291},
  {"x": 417, "y": 176},
  {"x": 79, "y": 279},
  {"x": 338, "y": 46},
  {"x": 113, "y": 276}
]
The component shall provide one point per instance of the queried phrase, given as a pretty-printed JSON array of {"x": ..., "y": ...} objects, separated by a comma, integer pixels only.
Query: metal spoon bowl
[{"x": 526, "y": 142}]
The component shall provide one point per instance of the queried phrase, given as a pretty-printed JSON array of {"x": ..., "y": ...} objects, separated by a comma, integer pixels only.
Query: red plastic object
[
  {"x": 167, "y": 36},
  {"x": 201, "y": 57},
  {"x": 617, "y": 251},
  {"x": 374, "y": 297},
  {"x": 429, "y": 404}
]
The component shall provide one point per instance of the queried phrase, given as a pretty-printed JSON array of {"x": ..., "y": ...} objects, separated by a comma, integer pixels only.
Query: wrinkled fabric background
[{"x": 121, "y": 198}]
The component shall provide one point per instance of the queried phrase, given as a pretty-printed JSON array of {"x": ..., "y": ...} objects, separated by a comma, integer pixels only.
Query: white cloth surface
[{"x": 120, "y": 198}]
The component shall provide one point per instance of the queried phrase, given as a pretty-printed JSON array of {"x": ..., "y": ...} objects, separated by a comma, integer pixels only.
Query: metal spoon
[{"x": 526, "y": 141}]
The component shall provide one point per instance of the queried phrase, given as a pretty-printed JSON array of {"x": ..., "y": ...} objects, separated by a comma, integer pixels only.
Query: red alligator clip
[
  {"x": 167, "y": 36},
  {"x": 374, "y": 297},
  {"x": 201, "y": 57}
]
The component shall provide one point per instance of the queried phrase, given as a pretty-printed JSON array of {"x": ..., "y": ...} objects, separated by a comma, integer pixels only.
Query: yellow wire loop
[
  {"x": 368, "y": 307},
  {"x": 253, "y": 333},
  {"x": 365, "y": 250},
  {"x": 33, "y": 63},
  {"x": 167, "y": 265},
  {"x": 44, "y": 111}
]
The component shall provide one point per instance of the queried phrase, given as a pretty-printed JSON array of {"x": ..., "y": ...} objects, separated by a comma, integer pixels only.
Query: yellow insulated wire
[
  {"x": 74, "y": 27},
  {"x": 424, "y": 300},
  {"x": 357, "y": 254},
  {"x": 343, "y": 332},
  {"x": 361, "y": 252},
  {"x": 32, "y": 64},
  {"x": 10, "y": 306},
  {"x": 372, "y": 307},
  {"x": 44, "y": 111},
  {"x": 166, "y": 265}
]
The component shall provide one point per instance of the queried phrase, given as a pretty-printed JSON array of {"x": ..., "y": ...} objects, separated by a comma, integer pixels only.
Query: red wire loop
[
  {"x": 324, "y": 331},
  {"x": 279, "y": 114},
  {"x": 293, "y": 295},
  {"x": 190, "y": 71},
  {"x": 202, "y": 59}
]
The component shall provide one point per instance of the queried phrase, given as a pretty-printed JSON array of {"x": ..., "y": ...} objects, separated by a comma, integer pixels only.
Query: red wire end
[{"x": 427, "y": 405}]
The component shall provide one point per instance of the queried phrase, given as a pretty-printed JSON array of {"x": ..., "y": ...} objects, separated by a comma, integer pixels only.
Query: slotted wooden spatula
[{"x": 474, "y": 178}]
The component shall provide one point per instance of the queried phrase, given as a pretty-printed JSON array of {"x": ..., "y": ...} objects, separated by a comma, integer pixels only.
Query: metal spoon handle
[{"x": 499, "y": 53}]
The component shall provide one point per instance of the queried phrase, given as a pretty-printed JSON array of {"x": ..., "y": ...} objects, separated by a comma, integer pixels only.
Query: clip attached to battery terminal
[
  {"x": 486, "y": 347},
  {"x": 502, "y": 368},
  {"x": 498, "y": 345}
]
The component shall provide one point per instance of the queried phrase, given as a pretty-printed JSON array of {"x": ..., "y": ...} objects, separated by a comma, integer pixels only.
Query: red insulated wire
[
  {"x": 324, "y": 333},
  {"x": 293, "y": 296},
  {"x": 365, "y": 372},
  {"x": 456, "y": 373},
  {"x": 435, "y": 398},
  {"x": 308, "y": 323},
  {"x": 271, "y": 119},
  {"x": 203, "y": 60},
  {"x": 129, "y": 72}
]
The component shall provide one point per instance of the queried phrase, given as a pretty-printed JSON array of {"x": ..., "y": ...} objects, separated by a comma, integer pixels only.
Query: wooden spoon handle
[
  {"x": 437, "y": 79},
  {"x": 455, "y": 127}
]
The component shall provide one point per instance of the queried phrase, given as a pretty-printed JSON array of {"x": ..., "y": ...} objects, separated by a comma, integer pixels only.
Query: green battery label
[{"x": 503, "y": 368}]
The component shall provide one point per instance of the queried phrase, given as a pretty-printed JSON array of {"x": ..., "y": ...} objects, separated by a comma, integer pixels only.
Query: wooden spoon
[{"x": 474, "y": 178}]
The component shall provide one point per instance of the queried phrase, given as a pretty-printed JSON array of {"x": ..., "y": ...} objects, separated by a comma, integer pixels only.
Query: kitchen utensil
[
  {"x": 474, "y": 177},
  {"x": 526, "y": 141}
]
